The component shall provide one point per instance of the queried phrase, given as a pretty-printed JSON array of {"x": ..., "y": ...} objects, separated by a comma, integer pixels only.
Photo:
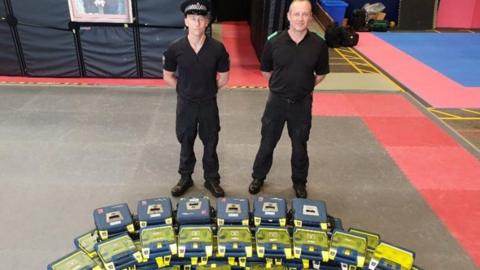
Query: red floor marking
[
  {"x": 463, "y": 211},
  {"x": 445, "y": 174},
  {"x": 440, "y": 168},
  {"x": 408, "y": 131},
  {"x": 332, "y": 104},
  {"x": 384, "y": 105},
  {"x": 432, "y": 86},
  {"x": 363, "y": 104},
  {"x": 84, "y": 81},
  {"x": 245, "y": 67}
]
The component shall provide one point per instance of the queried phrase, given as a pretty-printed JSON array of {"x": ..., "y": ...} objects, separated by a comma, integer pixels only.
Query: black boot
[
  {"x": 183, "y": 185},
  {"x": 255, "y": 186},
  {"x": 214, "y": 188},
  {"x": 300, "y": 190}
]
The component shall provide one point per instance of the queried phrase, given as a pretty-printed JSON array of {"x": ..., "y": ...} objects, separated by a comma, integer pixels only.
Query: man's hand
[
  {"x": 267, "y": 75},
  {"x": 222, "y": 79},
  {"x": 170, "y": 78},
  {"x": 319, "y": 78}
]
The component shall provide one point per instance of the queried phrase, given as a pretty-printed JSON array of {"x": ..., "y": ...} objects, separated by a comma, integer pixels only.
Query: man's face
[
  {"x": 299, "y": 15},
  {"x": 196, "y": 24}
]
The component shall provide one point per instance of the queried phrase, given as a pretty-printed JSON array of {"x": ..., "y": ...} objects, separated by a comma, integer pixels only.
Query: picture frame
[{"x": 101, "y": 11}]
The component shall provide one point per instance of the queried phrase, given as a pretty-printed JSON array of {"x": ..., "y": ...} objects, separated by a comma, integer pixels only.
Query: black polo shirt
[
  {"x": 196, "y": 73},
  {"x": 294, "y": 66}
]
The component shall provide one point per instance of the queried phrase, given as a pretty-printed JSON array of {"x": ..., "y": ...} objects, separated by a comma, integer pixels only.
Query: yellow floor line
[
  {"x": 450, "y": 116},
  {"x": 471, "y": 111},
  {"x": 348, "y": 60},
  {"x": 461, "y": 118},
  {"x": 377, "y": 70},
  {"x": 366, "y": 71},
  {"x": 470, "y": 130}
]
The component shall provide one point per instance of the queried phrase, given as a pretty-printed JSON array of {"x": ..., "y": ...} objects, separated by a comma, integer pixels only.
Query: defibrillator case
[
  {"x": 273, "y": 242},
  {"x": 390, "y": 257},
  {"x": 154, "y": 212},
  {"x": 75, "y": 260},
  {"x": 270, "y": 211},
  {"x": 113, "y": 220},
  {"x": 118, "y": 253},
  {"x": 195, "y": 242},
  {"x": 311, "y": 213},
  {"x": 234, "y": 243},
  {"x": 233, "y": 211},
  {"x": 191, "y": 211},
  {"x": 158, "y": 243},
  {"x": 86, "y": 242},
  {"x": 310, "y": 244},
  {"x": 348, "y": 249}
]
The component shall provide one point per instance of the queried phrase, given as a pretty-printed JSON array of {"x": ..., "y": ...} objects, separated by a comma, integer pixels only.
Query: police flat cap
[{"x": 197, "y": 7}]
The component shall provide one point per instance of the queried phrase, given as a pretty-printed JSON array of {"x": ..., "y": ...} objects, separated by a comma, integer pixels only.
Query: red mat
[
  {"x": 245, "y": 67},
  {"x": 408, "y": 131},
  {"x": 443, "y": 172},
  {"x": 430, "y": 85}
]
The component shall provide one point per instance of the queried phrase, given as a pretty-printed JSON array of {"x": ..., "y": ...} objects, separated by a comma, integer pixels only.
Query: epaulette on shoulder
[
  {"x": 319, "y": 35},
  {"x": 272, "y": 35}
]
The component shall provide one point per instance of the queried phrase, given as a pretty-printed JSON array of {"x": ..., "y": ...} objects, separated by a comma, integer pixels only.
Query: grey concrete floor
[{"x": 65, "y": 151}]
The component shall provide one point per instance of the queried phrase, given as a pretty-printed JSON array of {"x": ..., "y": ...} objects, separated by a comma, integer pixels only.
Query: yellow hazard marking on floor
[
  {"x": 376, "y": 69},
  {"x": 341, "y": 53},
  {"x": 454, "y": 117},
  {"x": 47, "y": 83},
  {"x": 362, "y": 65},
  {"x": 471, "y": 111},
  {"x": 449, "y": 115},
  {"x": 461, "y": 119},
  {"x": 246, "y": 87}
]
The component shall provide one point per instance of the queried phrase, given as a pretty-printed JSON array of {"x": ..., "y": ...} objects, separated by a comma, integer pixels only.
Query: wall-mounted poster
[{"x": 101, "y": 11}]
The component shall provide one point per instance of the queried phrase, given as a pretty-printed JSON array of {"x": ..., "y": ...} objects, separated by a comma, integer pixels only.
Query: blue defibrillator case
[
  {"x": 311, "y": 213},
  {"x": 113, "y": 220},
  {"x": 233, "y": 211},
  {"x": 270, "y": 211},
  {"x": 191, "y": 211},
  {"x": 154, "y": 212}
]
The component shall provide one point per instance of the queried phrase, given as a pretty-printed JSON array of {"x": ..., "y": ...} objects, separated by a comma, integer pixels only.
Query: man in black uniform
[
  {"x": 197, "y": 66},
  {"x": 293, "y": 62}
]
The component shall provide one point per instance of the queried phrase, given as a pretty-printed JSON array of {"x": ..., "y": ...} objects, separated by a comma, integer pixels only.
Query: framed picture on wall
[{"x": 101, "y": 11}]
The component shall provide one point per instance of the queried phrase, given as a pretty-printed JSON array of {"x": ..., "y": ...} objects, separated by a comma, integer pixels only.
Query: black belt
[
  {"x": 290, "y": 100},
  {"x": 197, "y": 101}
]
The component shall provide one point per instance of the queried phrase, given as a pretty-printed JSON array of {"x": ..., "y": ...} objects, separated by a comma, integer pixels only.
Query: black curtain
[
  {"x": 164, "y": 13},
  {"x": 108, "y": 51},
  {"x": 154, "y": 43},
  {"x": 3, "y": 10},
  {"x": 48, "y": 13},
  {"x": 10, "y": 64},
  {"x": 417, "y": 14},
  {"x": 48, "y": 52},
  {"x": 232, "y": 10},
  {"x": 266, "y": 17},
  {"x": 47, "y": 45},
  {"x": 38, "y": 39}
]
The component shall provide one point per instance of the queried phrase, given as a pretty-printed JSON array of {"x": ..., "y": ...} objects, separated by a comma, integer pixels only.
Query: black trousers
[
  {"x": 202, "y": 118},
  {"x": 298, "y": 116}
]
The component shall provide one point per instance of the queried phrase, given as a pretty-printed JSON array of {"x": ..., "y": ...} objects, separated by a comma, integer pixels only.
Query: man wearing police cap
[{"x": 197, "y": 66}]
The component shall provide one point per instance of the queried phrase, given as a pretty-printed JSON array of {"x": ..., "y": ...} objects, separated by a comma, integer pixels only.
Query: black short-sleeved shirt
[
  {"x": 196, "y": 73},
  {"x": 293, "y": 66}
]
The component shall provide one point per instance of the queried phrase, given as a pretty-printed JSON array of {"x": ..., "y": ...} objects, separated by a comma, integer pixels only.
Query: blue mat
[{"x": 455, "y": 55}]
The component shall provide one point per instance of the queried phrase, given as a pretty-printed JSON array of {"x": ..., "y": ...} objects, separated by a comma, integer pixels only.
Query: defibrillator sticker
[{"x": 310, "y": 210}]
